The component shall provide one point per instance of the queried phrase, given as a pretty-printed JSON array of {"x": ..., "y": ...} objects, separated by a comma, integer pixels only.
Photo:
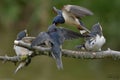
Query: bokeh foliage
[{"x": 36, "y": 16}]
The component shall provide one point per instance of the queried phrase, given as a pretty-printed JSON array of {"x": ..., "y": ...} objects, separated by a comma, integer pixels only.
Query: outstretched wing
[
  {"x": 96, "y": 29},
  {"x": 59, "y": 12},
  {"x": 69, "y": 34},
  {"x": 77, "y": 10},
  {"x": 41, "y": 39}
]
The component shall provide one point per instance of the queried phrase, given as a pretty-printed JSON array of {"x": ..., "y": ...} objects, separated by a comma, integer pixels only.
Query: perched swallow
[
  {"x": 72, "y": 14},
  {"x": 22, "y": 52},
  {"x": 54, "y": 38},
  {"x": 96, "y": 39}
]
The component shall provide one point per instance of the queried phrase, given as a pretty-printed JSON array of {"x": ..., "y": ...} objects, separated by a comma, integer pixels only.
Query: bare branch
[
  {"x": 92, "y": 55},
  {"x": 75, "y": 54},
  {"x": 38, "y": 50},
  {"x": 13, "y": 59}
]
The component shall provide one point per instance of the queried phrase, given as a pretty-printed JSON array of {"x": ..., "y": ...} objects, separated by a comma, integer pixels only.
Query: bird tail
[
  {"x": 59, "y": 64},
  {"x": 21, "y": 65},
  {"x": 57, "y": 10},
  {"x": 58, "y": 61}
]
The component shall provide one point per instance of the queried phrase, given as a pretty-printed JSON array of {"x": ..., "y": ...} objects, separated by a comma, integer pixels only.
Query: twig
[
  {"x": 13, "y": 59},
  {"x": 75, "y": 54}
]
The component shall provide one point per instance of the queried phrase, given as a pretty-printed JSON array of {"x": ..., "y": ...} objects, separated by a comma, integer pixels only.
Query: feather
[{"x": 77, "y": 11}]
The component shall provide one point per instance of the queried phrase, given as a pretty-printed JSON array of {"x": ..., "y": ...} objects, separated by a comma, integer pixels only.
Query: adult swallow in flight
[{"x": 72, "y": 14}]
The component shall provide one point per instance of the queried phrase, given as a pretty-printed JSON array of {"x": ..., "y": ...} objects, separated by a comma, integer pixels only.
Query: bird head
[
  {"x": 22, "y": 34},
  {"x": 58, "y": 20}
]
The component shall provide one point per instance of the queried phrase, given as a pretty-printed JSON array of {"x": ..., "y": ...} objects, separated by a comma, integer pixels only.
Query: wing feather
[
  {"x": 40, "y": 39},
  {"x": 77, "y": 10},
  {"x": 69, "y": 34},
  {"x": 96, "y": 29}
]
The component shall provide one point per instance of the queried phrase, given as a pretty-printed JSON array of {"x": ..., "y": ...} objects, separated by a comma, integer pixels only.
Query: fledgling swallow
[
  {"x": 22, "y": 52},
  {"x": 96, "y": 39},
  {"x": 54, "y": 38},
  {"x": 72, "y": 14}
]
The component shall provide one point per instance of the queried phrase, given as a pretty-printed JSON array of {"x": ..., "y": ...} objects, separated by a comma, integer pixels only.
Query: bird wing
[
  {"x": 41, "y": 39},
  {"x": 57, "y": 10},
  {"x": 69, "y": 34},
  {"x": 77, "y": 10},
  {"x": 21, "y": 51},
  {"x": 96, "y": 29}
]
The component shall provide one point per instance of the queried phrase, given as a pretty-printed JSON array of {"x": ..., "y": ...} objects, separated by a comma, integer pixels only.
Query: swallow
[
  {"x": 23, "y": 53},
  {"x": 54, "y": 38},
  {"x": 72, "y": 14},
  {"x": 96, "y": 39}
]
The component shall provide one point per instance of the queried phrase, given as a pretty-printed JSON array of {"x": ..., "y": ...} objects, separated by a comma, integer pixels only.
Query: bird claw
[
  {"x": 80, "y": 47},
  {"x": 26, "y": 59}
]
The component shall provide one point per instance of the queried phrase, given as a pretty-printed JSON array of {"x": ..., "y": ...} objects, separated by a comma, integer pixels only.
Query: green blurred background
[{"x": 36, "y": 16}]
